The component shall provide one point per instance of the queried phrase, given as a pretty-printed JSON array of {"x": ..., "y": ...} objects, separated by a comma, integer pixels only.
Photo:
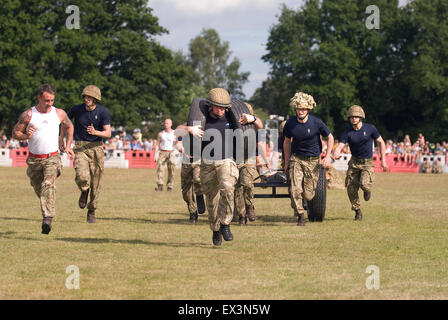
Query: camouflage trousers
[
  {"x": 89, "y": 169},
  {"x": 218, "y": 180},
  {"x": 359, "y": 175},
  {"x": 244, "y": 190},
  {"x": 303, "y": 176},
  {"x": 43, "y": 174},
  {"x": 190, "y": 181},
  {"x": 165, "y": 158}
]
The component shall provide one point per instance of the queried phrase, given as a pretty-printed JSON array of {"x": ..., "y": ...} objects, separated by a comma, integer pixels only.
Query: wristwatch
[{"x": 255, "y": 119}]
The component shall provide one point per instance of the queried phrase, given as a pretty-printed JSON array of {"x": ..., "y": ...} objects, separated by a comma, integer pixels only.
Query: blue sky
[{"x": 245, "y": 24}]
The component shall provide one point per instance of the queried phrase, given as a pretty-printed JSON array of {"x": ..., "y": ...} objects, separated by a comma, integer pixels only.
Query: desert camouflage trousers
[
  {"x": 303, "y": 176},
  {"x": 244, "y": 190},
  {"x": 218, "y": 180},
  {"x": 165, "y": 158},
  {"x": 359, "y": 175},
  {"x": 190, "y": 181},
  {"x": 43, "y": 174},
  {"x": 89, "y": 169}
]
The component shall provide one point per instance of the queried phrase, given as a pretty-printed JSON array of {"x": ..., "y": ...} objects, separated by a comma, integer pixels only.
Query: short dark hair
[{"x": 46, "y": 87}]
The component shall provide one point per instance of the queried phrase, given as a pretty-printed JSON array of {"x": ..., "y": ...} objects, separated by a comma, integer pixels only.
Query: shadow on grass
[
  {"x": 7, "y": 233},
  {"x": 169, "y": 221},
  {"x": 133, "y": 241},
  {"x": 18, "y": 218}
]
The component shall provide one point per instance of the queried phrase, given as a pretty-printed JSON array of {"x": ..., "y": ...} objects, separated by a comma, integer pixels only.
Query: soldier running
[
  {"x": 190, "y": 171},
  {"x": 302, "y": 147},
  {"x": 166, "y": 141},
  {"x": 360, "y": 137},
  {"x": 40, "y": 126},
  {"x": 92, "y": 125},
  {"x": 219, "y": 172},
  {"x": 244, "y": 190}
]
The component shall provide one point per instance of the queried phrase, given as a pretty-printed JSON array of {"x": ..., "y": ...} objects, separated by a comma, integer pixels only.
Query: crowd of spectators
[
  {"x": 6, "y": 143},
  {"x": 408, "y": 151},
  {"x": 411, "y": 152}
]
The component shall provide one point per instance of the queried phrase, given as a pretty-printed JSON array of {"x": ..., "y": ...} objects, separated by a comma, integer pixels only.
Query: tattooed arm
[
  {"x": 66, "y": 130},
  {"x": 21, "y": 131}
]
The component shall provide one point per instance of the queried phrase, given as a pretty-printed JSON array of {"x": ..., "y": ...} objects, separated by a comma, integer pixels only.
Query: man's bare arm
[{"x": 20, "y": 130}]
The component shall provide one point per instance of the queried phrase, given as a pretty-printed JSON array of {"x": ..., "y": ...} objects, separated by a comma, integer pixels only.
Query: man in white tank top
[
  {"x": 40, "y": 126},
  {"x": 166, "y": 140}
]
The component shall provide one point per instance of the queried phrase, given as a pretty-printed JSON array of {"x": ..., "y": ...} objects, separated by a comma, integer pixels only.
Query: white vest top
[
  {"x": 46, "y": 132},
  {"x": 167, "y": 140}
]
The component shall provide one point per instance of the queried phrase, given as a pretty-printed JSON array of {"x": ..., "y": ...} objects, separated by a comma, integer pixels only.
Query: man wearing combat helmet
[
  {"x": 92, "y": 124},
  {"x": 360, "y": 137},
  {"x": 302, "y": 147},
  {"x": 218, "y": 170}
]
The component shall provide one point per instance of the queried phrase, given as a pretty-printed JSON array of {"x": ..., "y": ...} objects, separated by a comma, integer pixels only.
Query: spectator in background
[
  {"x": 407, "y": 148},
  {"x": 425, "y": 150},
  {"x": 437, "y": 167},
  {"x": 432, "y": 148},
  {"x": 389, "y": 147},
  {"x": 14, "y": 144},
  {"x": 147, "y": 146},
  {"x": 136, "y": 146},
  {"x": 421, "y": 140},
  {"x": 138, "y": 135},
  {"x": 118, "y": 142},
  {"x": 126, "y": 145},
  {"x": 426, "y": 166},
  {"x": 416, "y": 152},
  {"x": 4, "y": 142}
]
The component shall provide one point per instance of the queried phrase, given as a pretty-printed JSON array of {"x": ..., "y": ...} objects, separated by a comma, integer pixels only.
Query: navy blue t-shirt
[
  {"x": 306, "y": 136},
  {"x": 361, "y": 141},
  {"x": 221, "y": 125},
  {"x": 99, "y": 117}
]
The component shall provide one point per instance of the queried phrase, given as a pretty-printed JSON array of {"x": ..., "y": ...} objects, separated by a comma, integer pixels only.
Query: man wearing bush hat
[
  {"x": 302, "y": 148},
  {"x": 360, "y": 137},
  {"x": 92, "y": 125}
]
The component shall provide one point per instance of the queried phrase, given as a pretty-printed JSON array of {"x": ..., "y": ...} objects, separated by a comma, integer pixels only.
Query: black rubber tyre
[
  {"x": 236, "y": 111},
  {"x": 198, "y": 112},
  {"x": 317, "y": 206}
]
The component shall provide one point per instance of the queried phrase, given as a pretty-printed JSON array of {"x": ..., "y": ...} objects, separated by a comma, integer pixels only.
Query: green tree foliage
[
  {"x": 398, "y": 73},
  {"x": 114, "y": 48},
  {"x": 209, "y": 58}
]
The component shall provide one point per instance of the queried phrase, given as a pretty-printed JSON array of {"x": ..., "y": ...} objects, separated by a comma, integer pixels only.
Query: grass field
[{"x": 143, "y": 247}]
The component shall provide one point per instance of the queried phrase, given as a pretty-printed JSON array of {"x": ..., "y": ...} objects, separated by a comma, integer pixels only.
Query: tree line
[
  {"x": 398, "y": 73},
  {"x": 111, "y": 45}
]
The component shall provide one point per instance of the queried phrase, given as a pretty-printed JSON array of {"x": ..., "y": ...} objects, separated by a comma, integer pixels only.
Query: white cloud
[{"x": 213, "y": 7}]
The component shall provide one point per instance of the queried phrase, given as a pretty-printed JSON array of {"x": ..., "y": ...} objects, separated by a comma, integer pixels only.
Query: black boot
[
  {"x": 217, "y": 240},
  {"x": 82, "y": 202},
  {"x": 91, "y": 216},
  {"x": 242, "y": 220},
  {"x": 201, "y": 203},
  {"x": 226, "y": 233},
  {"x": 301, "y": 220},
  {"x": 46, "y": 225},
  {"x": 358, "y": 215},
  {"x": 250, "y": 212},
  {"x": 194, "y": 217},
  {"x": 367, "y": 195}
]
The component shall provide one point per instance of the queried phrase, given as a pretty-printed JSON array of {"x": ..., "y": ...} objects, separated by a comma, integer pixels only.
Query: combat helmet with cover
[
  {"x": 302, "y": 100},
  {"x": 355, "y": 111}
]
